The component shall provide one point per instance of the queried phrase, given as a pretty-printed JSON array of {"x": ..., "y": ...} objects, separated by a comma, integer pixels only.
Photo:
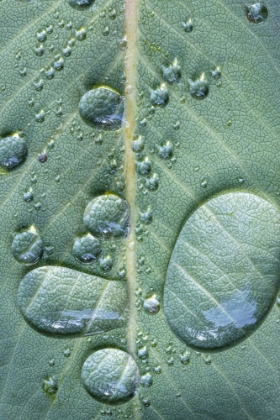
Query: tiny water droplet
[
  {"x": 50, "y": 385},
  {"x": 146, "y": 380},
  {"x": 67, "y": 353},
  {"x": 86, "y": 249},
  {"x": 151, "y": 305},
  {"x": 256, "y": 13},
  {"x": 13, "y": 151},
  {"x": 51, "y": 362},
  {"x": 188, "y": 25},
  {"x": 106, "y": 263},
  {"x": 138, "y": 145},
  {"x": 42, "y": 36},
  {"x": 199, "y": 88},
  {"x": 144, "y": 167},
  {"x": 27, "y": 247},
  {"x": 28, "y": 196},
  {"x": 159, "y": 96},
  {"x": 143, "y": 353},
  {"x": 172, "y": 73},
  {"x": 204, "y": 184},
  {"x": 80, "y": 4},
  {"x": 166, "y": 151},
  {"x": 185, "y": 358},
  {"x": 42, "y": 158},
  {"x": 81, "y": 34},
  {"x": 103, "y": 108},
  {"x": 40, "y": 116}
]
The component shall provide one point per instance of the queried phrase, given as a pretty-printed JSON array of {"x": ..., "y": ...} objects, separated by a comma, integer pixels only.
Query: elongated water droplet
[
  {"x": 107, "y": 215},
  {"x": 27, "y": 247},
  {"x": 223, "y": 275},
  {"x": 110, "y": 376},
  {"x": 59, "y": 301},
  {"x": 86, "y": 249},
  {"x": 13, "y": 151},
  {"x": 103, "y": 108},
  {"x": 257, "y": 13}
]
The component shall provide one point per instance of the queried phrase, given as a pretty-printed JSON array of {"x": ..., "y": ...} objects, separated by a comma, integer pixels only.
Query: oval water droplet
[
  {"x": 86, "y": 249},
  {"x": 199, "y": 88},
  {"x": 159, "y": 96},
  {"x": 103, "y": 108},
  {"x": 27, "y": 247},
  {"x": 107, "y": 215},
  {"x": 80, "y": 4},
  {"x": 151, "y": 305},
  {"x": 59, "y": 301},
  {"x": 257, "y": 13},
  {"x": 13, "y": 151},
  {"x": 110, "y": 376},
  {"x": 223, "y": 275}
]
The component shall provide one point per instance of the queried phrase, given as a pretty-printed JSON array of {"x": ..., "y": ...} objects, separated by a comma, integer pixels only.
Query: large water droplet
[
  {"x": 107, "y": 215},
  {"x": 257, "y": 13},
  {"x": 27, "y": 247},
  {"x": 13, "y": 151},
  {"x": 59, "y": 301},
  {"x": 199, "y": 88},
  {"x": 110, "y": 376},
  {"x": 80, "y": 4},
  {"x": 223, "y": 275},
  {"x": 86, "y": 249},
  {"x": 103, "y": 108}
]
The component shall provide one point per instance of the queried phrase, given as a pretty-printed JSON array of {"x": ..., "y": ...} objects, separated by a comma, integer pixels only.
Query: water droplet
[
  {"x": 13, "y": 151},
  {"x": 166, "y": 151},
  {"x": 199, "y": 88},
  {"x": 110, "y": 376},
  {"x": 106, "y": 31},
  {"x": 220, "y": 286},
  {"x": 50, "y": 386},
  {"x": 103, "y": 108},
  {"x": 256, "y": 13},
  {"x": 143, "y": 353},
  {"x": 39, "y": 85},
  {"x": 172, "y": 73},
  {"x": 80, "y": 4},
  {"x": 138, "y": 145},
  {"x": 151, "y": 305},
  {"x": 81, "y": 34},
  {"x": 144, "y": 167},
  {"x": 217, "y": 74},
  {"x": 59, "y": 64},
  {"x": 204, "y": 184},
  {"x": 159, "y": 96},
  {"x": 188, "y": 26},
  {"x": 39, "y": 51},
  {"x": 106, "y": 263},
  {"x": 152, "y": 183},
  {"x": 42, "y": 158},
  {"x": 28, "y": 196},
  {"x": 157, "y": 369},
  {"x": 146, "y": 380},
  {"x": 185, "y": 358},
  {"x": 52, "y": 362},
  {"x": 40, "y": 116},
  {"x": 86, "y": 249},
  {"x": 59, "y": 301},
  {"x": 42, "y": 36},
  {"x": 67, "y": 353},
  {"x": 147, "y": 217},
  {"x": 107, "y": 215},
  {"x": 27, "y": 247}
]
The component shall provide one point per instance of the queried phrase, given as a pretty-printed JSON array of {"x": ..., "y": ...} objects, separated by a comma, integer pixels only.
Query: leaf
[{"x": 201, "y": 123}]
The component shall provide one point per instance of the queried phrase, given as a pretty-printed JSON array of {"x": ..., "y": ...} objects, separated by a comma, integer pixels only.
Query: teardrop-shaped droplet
[
  {"x": 224, "y": 272},
  {"x": 107, "y": 215},
  {"x": 110, "y": 376},
  {"x": 62, "y": 302},
  {"x": 13, "y": 151},
  {"x": 102, "y": 108}
]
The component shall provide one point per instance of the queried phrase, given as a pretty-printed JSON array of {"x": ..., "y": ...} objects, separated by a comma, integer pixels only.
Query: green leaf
[{"x": 185, "y": 122}]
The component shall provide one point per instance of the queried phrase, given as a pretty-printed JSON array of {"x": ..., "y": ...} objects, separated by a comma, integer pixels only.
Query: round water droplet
[
  {"x": 188, "y": 26},
  {"x": 138, "y": 145},
  {"x": 146, "y": 380},
  {"x": 106, "y": 263},
  {"x": 143, "y": 353},
  {"x": 159, "y": 96},
  {"x": 42, "y": 158},
  {"x": 144, "y": 167},
  {"x": 103, "y": 108},
  {"x": 80, "y": 4},
  {"x": 151, "y": 305},
  {"x": 110, "y": 376},
  {"x": 223, "y": 275},
  {"x": 166, "y": 151},
  {"x": 67, "y": 353},
  {"x": 199, "y": 88},
  {"x": 13, "y": 151},
  {"x": 27, "y": 247},
  {"x": 107, "y": 215},
  {"x": 257, "y": 13},
  {"x": 172, "y": 73},
  {"x": 28, "y": 196},
  {"x": 86, "y": 249}
]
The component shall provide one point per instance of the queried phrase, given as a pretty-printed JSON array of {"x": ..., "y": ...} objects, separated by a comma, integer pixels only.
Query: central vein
[{"x": 131, "y": 25}]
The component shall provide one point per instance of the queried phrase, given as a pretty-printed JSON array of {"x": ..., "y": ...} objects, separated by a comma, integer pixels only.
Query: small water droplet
[
  {"x": 106, "y": 263},
  {"x": 59, "y": 64},
  {"x": 138, "y": 145},
  {"x": 40, "y": 116},
  {"x": 27, "y": 247},
  {"x": 204, "y": 184},
  {"x": 256, "y": 13},
  {"x": 50, "y": 385},
  {"x": 199, "y": 88},
  {"x": 159, "y": 96},
  {"x": 80, "y": 4},
  {"x": 42, "y": 36},
  {"x": 81, "y": 34},
  {"x": 152, "y": 183},
  {"x": 28, "y": 196},
  {"x": 107, "y": 215},
  {"x": 185, "y": 358},
  {"x": 86, "y": 249},
  {"x": 143, "y": 353},
  {"x": 144, "y": 167},
  {"x": 110, "y": 376},
  {"x": 166, "y": 151},
  {"x": 151, "y": 305},
  {"x": 13, "y": 151},
  {"x": 51, "y": 362},
  {"x": 39, "y": 85},
  {"x": 188, "y": 25},
  {"x": 157, "y": 369},
  {"x": 103, "y": 108},
  {"x": 172, "y": 73},
  {"x": 42, "y": 158},
  {"x": 146, "y": 380},
  {"x": 67, "y": 353}
]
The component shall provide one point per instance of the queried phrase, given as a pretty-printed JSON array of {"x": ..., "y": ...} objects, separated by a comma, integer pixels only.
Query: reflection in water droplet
[
  {"x": 159, "y": 96},
  {"x": 59, "y": 301},
  {"x": 172, "y": 73},
  {"x": 13, "y": 151},
  {"x": 199, "y": 88},
  {"x": 107, "y": 215},
  {"x": 151, "y": 305},
  {"x": 256, "y": 13},
  {"x": 221, "y": 293},
  {"x": 110, "y": 376},
  {"x": 103, "y": 108},
  {"x": 27, "y": 247},
  {"x": 80, "y": 4},
  {"x": 86, "y": 249}
]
